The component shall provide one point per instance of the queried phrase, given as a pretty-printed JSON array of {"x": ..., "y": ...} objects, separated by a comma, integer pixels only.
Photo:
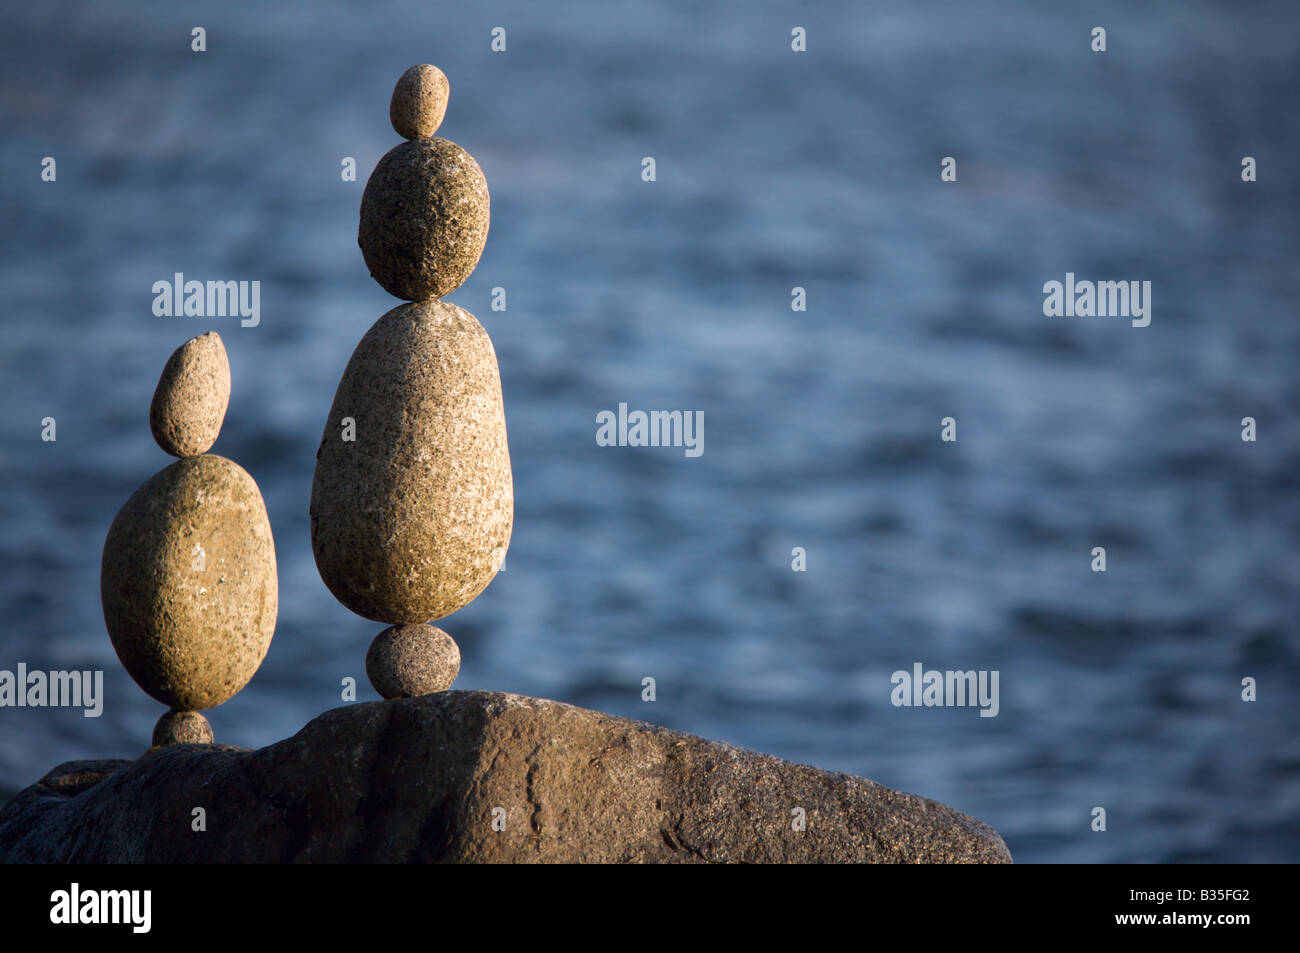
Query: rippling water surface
[{"x": 774, "y": 170}]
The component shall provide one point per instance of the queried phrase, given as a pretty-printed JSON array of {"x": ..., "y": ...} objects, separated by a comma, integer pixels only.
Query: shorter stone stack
[
  {"x": 188, "y": 578},
  {"x": 412, "y": 502}
]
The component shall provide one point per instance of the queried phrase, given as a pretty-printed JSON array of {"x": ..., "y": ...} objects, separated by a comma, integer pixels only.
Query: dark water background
[{"x": 775, "y": 169}]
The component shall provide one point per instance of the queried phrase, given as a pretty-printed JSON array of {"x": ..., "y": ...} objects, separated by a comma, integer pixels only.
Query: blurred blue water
[{"x": 775, "y": 169}]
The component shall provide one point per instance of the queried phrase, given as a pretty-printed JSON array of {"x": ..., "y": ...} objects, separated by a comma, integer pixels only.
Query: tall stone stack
[
  {"x": 188, "y": 578},
  {"x": 412, "y": 502}
]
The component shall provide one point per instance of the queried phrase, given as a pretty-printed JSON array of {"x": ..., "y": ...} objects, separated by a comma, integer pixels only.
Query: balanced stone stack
[
  {"x": 188, "y": 578},
  {"x": 412, "y": 502}
]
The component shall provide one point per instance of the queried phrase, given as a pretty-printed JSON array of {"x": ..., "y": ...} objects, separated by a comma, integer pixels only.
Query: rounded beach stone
[
  {"x": 424, "y": 219},
  {"x": 189, "y": 403},
  {"x": 419, "y": 102},
  {"x": 182, "y": 728},
  {"x": 411, "y": 518},
  {"x": 188, "y": 582},
  {"x": 405, "y": 661}
]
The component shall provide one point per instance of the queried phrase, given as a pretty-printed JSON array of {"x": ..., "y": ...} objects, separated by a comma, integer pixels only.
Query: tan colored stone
[
  {"x": 406, "y": 661},
  {"x": 189, "y": 403},
  {"x": 188, "y": 582},
  {"x": 419, "y": 102},
  {"x": 424, "y": 219},
  {"x": 182, "y": 728},
  {"x": 410, "y": 520}
]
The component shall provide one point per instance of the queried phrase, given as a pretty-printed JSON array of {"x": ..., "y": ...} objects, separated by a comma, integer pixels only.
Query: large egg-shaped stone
[
  {"x": 188, "y": 582},
  {"x": 412, "y": 502},
  {"x": 424, "y": 219}
]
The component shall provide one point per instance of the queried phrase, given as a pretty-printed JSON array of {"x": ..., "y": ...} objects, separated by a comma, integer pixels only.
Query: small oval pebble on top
[
  {"x": 189, "y": 404},
  {"x": 419, "y": 102}
]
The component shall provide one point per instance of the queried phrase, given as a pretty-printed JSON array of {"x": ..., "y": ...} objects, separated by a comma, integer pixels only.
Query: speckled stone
[
  {"x": 406, "y": 661},
  {"x": 182, "y": 728},
  {"x": 424, "y": 219},
  {"x": 410, "y": 520},
  {"x": 419, "y": 102},
  {"x": 188, "y": 582},
  {"x": 189, "y": 403}
]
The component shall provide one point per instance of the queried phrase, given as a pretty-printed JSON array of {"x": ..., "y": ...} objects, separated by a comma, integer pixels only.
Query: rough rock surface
[
  {"x": 405, "y": 661},
  {"x": 190, "y": 401},
  {"x": 188, "y": 582},
  {"x": 423, "y": 779},
  {"x": 419, "y": 102},
  {"x": 424, "y": 219},
  {"x": 411, "y": 519}
]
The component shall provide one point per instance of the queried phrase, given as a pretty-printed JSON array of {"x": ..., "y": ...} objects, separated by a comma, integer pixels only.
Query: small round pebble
[
  {"x": 406, "y": 661},
  {"x": 419, "y": 102},
  {"x": 424, "y": 219},
  {"x": 182, "y": 728},
  {"x": 189, "y": 403}
]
